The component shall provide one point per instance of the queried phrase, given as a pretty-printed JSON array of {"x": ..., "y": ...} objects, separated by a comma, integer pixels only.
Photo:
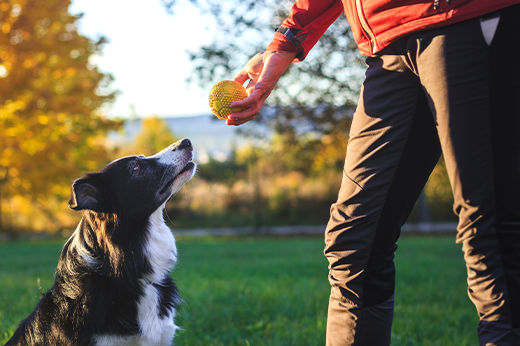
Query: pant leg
[
  {"x": 392, "y": 149},
  {"x": 453, "y": 64},
  {"x": 505, "y": 103}
]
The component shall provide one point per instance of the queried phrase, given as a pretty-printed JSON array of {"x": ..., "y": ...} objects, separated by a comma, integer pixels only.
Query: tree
[
  {"x": 154, "y": 136},
  {"x": 51, "y": 129},
  {"x": 317, "y": 96},
  {"x": 320, "y": 91}
]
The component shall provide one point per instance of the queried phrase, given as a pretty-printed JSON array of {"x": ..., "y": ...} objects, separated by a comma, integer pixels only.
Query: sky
[{"x": 146, "y": 54}]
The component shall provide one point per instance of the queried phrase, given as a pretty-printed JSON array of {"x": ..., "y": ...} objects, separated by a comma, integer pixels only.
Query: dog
[{"x": 112, "y": 284}]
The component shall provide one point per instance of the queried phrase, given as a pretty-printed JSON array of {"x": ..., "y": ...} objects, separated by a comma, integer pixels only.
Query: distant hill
[{"x": 211, "y": 138}]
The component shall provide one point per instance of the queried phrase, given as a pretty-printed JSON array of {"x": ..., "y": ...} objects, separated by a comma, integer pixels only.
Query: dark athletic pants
[{"x": 442, "y": 89}]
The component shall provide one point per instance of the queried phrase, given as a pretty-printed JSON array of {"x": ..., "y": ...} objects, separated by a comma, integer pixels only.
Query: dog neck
[{"x": 160, "y": 248}]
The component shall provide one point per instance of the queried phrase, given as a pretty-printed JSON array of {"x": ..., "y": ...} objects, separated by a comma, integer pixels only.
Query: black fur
[{"x": 97, "y": 283}]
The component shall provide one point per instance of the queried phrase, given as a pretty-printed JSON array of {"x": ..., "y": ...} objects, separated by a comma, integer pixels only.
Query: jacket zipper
[{"x": 366, "y": 28}]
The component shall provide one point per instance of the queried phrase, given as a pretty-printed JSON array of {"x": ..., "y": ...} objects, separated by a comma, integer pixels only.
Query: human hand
[{"x": 263, "y": 71}]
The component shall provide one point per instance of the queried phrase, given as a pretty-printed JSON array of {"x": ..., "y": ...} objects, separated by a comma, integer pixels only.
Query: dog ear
[{"x": 86, "y": 194}]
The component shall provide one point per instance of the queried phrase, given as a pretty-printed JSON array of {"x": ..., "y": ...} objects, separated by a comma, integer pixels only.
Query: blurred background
[{"x": 86, "y": 81}]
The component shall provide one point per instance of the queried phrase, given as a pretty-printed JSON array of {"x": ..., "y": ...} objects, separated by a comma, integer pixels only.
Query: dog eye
[{"x": 136, "y": 167}]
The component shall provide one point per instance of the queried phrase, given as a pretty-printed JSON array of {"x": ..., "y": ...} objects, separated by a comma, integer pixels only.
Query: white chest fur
[
  {"x": 161, "y": 252},
  {"x": 160, "y": 248}
]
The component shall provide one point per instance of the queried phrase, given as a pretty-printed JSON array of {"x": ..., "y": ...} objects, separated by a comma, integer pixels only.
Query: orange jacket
[{"x": 374, "y": 23}]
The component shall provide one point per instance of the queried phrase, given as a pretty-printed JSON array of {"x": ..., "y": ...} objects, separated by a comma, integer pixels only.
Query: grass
[{"x": 270, "y": 291}]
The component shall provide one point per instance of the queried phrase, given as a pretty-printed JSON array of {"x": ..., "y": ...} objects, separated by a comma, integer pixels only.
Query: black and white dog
[{"x": 113, "y": 283}]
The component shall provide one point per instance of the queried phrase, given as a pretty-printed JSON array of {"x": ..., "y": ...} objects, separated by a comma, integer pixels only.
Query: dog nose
[{"x": 183, "y": 144}]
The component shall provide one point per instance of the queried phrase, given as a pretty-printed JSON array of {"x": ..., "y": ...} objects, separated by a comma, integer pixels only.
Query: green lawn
[{"x": 270, "y": 291}]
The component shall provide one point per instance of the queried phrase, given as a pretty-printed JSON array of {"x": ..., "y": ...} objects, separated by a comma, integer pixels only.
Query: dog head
[{"x": 135, "y": 186}]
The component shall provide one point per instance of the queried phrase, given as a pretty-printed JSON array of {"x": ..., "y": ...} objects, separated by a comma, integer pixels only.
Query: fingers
[
  {"x": 237, "y": 122},
  {"x": 241, "y": 117},
  {"x": 252, "y": 69},
  {"x": 263, "y": 71},
  {"x": 241, "y": 77},
  {"x": 250, "y": 107},
  {"x": 255, "y": 96}
]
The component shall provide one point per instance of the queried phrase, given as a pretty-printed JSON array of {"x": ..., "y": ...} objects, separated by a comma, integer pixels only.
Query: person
[{"x": 441, "y": 76}]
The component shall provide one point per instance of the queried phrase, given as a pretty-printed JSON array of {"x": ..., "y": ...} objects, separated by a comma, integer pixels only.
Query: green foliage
[
  {"x": 311, "y": 112},
  {"x": 294, "y": 180},
  {"x": 227, "y": 171},
  {"x": 321, "y": 90},
  {"x": 310, "y": 154},
  {"x": 273, "y": 291}
]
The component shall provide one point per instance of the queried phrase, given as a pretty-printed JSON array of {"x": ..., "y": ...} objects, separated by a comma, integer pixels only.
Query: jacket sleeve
[{"x": 308, "y": 19}]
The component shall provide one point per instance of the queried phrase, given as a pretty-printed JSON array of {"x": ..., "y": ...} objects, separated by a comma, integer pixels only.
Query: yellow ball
[{"x": 223, "y": 94}]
